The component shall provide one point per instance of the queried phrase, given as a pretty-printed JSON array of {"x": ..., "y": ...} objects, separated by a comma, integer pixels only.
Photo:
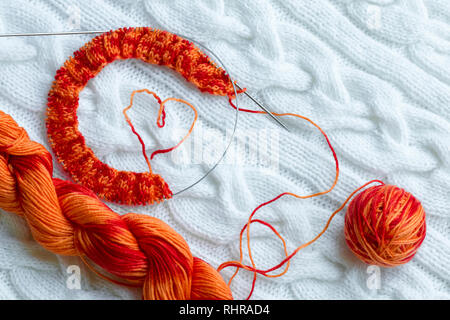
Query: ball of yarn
[{"x": 385, "y": 225}]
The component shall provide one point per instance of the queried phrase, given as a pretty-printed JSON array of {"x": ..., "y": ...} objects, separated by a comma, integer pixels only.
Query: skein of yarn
[{"x": 69, "y": 219}]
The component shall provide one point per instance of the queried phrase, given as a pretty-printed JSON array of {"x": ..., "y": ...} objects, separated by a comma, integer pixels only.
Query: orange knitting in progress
[
  {"x": 384, "y": 224},
  {"x": 70, "y": 220},
  {"x": 68, "y": 144}
]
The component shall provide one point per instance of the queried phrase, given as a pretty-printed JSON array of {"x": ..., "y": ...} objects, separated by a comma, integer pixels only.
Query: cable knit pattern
[{"x": 373, "y": 74}]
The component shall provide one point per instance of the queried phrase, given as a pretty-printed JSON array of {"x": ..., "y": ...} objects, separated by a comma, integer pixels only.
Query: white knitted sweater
[{"x": 374, "y": 74}]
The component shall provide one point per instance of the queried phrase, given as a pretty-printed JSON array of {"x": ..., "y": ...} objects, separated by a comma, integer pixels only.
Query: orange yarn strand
[
  {"x": 247, "y": 226},
  {"x": 384, "y": 225},
  {"x": 131, "y": 124},
  {"x": 160, "y": 122},
  {"x": 239, "y": 264},
  {"x": 105, "y": 277}
]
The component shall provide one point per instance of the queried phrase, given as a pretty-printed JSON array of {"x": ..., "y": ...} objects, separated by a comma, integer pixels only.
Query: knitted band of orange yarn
[
  {"x": 68, "y": 144},
  {"x": 68, "y": 219}
]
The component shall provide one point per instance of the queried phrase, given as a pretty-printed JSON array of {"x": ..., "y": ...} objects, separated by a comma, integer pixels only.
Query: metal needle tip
[
  {"x": 10, "y": 35},
  {"x": 264, "y": 108},
  {"x": 38, "y": 34}
]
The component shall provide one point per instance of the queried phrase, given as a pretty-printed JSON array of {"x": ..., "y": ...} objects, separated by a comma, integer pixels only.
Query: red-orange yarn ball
[{"x": 385, "y": 225}]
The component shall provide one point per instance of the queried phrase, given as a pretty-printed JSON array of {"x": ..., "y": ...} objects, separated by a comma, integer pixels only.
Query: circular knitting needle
[
  {"x": 38, "y": 34},
  {"x": 67, "y": 33}
]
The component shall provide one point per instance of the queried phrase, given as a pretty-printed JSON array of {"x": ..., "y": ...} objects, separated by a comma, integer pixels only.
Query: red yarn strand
[
  {"x": 160, "y": 121},
  {"x": 377, "y": 220},
  {"x": 239, "y": 264}
]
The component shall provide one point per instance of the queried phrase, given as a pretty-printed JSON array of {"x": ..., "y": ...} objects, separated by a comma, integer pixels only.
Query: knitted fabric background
[{"x": 373, "y": 74}]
